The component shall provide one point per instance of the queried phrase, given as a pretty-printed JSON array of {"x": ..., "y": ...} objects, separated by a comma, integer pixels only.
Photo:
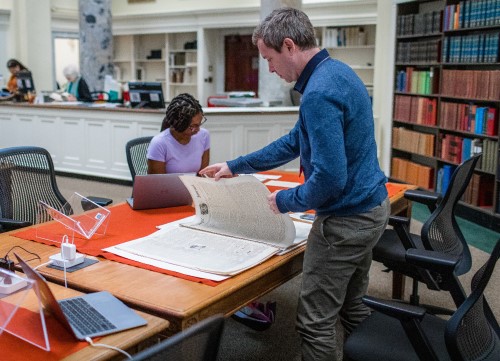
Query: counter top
[{"x": 114, "y": 108}]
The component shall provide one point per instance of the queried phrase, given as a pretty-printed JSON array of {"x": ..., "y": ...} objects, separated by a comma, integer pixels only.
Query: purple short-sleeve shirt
[{"x": 179, "y": 158}]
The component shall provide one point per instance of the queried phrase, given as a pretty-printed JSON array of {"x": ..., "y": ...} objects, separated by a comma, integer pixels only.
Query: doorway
[{"x": 241, "y": 64}]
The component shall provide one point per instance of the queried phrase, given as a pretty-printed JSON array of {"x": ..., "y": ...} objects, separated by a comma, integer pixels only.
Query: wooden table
[
  {"x": 130, "y": 340},
  {"x": 180, "y": 301}
]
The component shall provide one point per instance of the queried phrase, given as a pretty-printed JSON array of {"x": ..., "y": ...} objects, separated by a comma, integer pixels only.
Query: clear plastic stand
[
  {"x": 79, "y": 215},
  {"x": 21, "y": 311}
]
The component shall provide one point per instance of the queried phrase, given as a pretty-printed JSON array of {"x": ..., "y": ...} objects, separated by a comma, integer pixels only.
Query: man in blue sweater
[{"x": 334, "y": 138}]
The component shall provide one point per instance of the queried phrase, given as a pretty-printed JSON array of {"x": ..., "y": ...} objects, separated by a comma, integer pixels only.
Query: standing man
[{"x": 334, "y": 137}]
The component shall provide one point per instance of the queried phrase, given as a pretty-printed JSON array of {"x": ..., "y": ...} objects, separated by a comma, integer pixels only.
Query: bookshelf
[
  {"x": 446, "y": 99},
  {"x": 167, "y": 58},
  {"x": 353, "y": 45}
]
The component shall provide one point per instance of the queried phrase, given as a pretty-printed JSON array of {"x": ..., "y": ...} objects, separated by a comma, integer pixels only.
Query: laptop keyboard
[{"x": 85, "y": 318}]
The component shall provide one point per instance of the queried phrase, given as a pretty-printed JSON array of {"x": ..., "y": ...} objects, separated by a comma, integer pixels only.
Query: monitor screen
[
  {"x": 25, "y": 82},
  {"x": 146, "y": 95}
]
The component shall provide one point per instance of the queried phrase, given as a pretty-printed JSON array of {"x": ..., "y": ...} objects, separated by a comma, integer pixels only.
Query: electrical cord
[
  {"x": 43, "y": 264},
  {"x": 89, "y": 340}
]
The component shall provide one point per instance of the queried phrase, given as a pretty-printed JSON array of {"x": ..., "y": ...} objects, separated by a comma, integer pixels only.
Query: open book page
[
  {"x": 237, "y": 207},
  {"x": 302, "y": 230},
  {"x": 201, "y": 251}
]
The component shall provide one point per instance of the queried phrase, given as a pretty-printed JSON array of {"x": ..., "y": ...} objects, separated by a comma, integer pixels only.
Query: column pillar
[
  {"x": 271, "y": 86},
  {"x": 96, "y": 42}
]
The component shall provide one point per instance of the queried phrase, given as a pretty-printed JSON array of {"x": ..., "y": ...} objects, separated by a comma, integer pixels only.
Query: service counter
[{"x": 91, "y": 140}]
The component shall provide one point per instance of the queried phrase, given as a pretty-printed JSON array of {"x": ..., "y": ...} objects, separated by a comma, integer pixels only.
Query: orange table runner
[{"x": 126, "y": 224}]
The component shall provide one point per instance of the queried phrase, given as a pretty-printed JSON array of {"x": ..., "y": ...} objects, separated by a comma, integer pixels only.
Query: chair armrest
[
  {"x": 398, "y": 220},
  {"x": 399, "y": 310},
  {"x": 8, "y": 224},
  {"x": 103, "y": 202},
  {"x": 430, "y": 199},
  {"x": 401, "y": 226},
  {"x": 410, "y": 317},
  {"x": 432, "y": 260}
]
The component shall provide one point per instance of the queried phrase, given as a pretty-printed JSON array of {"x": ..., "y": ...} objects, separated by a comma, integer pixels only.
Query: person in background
[
  {"x": 334, "y": 137},
  {"x": 14, "y": 66},
  {"x": 76, "y": 86},
  {"x": 182, "y": 145}
]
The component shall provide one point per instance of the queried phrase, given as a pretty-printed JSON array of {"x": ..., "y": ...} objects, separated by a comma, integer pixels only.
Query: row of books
[
  {"x": 348, "y": 36},
  {"x": 414, "y": 142},
  {"x": 456, "y": 149},
  {"x": 480, "y": 190},
  {"x": 417, "y": 110},
  {"x": 476, "y": 48},
  {"x": 469, "y": 118},
  {"x": 476, "y": 84},
  {"x": 471, "y": 14},
  {"x": 414, "y": 81},
  {"x": 412, "y": 173},
  {"x": 418, "y": 52},
  {"x": 419, "y": 24}
]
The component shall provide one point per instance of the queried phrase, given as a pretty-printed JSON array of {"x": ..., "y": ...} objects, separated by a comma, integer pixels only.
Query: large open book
[{"x": 233, "y": 229}]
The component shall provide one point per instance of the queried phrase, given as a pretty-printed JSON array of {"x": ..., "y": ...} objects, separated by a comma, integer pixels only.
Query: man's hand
[
  {"x": 271, "y": 200},
  {"x": 217, "y": 171}
]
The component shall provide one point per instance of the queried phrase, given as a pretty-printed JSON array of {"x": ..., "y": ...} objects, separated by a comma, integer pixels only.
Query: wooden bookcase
[
  {"x": 171, "y": 59},
  {"x": 353, "y": 45},
  {"x": 447, "y": 99}
]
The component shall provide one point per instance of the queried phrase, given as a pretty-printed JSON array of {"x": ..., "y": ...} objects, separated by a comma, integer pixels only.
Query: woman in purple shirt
[{"x": 182, "y": 146}]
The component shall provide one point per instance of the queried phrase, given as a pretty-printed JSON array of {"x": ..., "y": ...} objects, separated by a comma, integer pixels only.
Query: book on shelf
[
  {"x": 480, "y": 192},
  {"x": 233, "y": 229},
  {"x": 412, "y": 173}
]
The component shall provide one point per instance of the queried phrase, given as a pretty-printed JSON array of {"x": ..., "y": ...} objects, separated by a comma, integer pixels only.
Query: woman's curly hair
[{"x": 180, "y": 112}]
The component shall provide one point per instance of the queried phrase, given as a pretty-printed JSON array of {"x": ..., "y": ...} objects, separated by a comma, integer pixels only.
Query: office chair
[
  {"x": 26, "y": 177},
  {"x": 200, "y": 342},
  {"x": 440, "y": 233},
  {"x": 409, "y": 333},
  {"x": 136, "y": 150}
]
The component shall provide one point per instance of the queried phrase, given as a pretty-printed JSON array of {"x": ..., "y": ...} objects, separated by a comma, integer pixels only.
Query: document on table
[{"x": 233, "y": 230}]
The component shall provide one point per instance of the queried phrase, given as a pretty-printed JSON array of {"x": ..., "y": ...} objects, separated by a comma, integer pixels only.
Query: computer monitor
[
  {"x": 146, "y": 95},
  {"x": 25, "y": 82}
]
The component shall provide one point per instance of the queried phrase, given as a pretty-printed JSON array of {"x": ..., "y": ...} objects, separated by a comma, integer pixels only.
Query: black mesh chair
[
  {"x": 200, "y": 342},
  {"x": 409, "y": 333},
  {"x": 26, "y": 177},
  {"x": 136, "y": 150},
  {"x": 439, "y": 233}
]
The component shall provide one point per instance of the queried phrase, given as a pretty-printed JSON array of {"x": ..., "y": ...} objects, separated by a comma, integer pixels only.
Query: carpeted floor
[{"x": 280, "y": 341}]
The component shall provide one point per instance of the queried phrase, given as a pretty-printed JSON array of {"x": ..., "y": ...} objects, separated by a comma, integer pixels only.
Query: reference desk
[
  {"x": 181, "y": 302},
  {"x": 131, "y": 341}
]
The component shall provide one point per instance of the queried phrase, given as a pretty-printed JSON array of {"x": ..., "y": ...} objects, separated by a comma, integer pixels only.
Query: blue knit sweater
[{"x": 334, "y": 137}]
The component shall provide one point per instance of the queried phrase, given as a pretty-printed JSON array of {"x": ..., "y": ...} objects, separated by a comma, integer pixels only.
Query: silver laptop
[
  {"x": 159, "y": 191},
  {"x": 89, "y": 315}
]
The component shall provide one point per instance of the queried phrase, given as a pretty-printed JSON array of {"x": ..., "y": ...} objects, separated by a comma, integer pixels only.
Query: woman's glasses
[{"x": 197, "y": 126}]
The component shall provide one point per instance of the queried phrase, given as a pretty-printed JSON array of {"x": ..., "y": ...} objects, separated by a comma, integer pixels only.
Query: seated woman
[
  {"x": 182, "y": 146},
  {"x": 14, "y": 66},
  {"x": 77, "y": 86}
]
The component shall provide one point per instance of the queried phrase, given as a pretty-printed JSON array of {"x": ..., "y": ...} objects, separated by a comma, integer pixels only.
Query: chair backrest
[
  {"x": 472, "y": 333},
  {"x": 200, "y": 342},
  {"x": 441, "y": 231},
  {"x": 26, "y": 177},
  {"x": 136, "y": 150}
]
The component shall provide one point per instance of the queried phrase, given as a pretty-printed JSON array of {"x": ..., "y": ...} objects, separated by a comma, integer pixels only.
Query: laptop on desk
[
  {"x": 159, "y": 191},
  {"x": 89, "y": 315}
]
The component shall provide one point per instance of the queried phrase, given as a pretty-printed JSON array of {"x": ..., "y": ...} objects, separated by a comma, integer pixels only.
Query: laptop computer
[
  {"x": 89, "y": 315},
  {"x": 159, "y": 191}
]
